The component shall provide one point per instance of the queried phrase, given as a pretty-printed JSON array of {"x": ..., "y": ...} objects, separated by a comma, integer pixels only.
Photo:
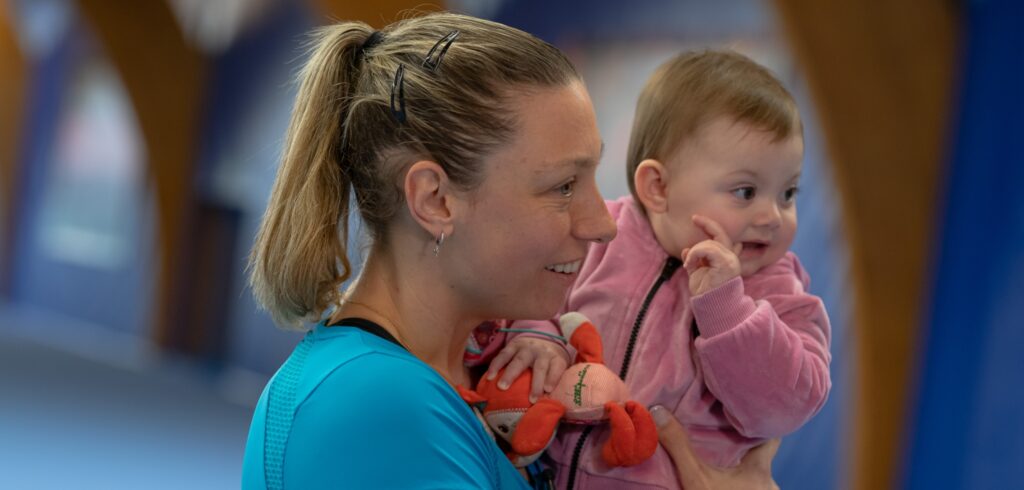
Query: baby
[{"x": 702, "y": 307}]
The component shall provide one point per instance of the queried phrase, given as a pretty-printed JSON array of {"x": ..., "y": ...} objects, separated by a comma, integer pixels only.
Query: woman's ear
[
  {"x": 651, "y": 181},
  {"x": 428, "y": 194}
]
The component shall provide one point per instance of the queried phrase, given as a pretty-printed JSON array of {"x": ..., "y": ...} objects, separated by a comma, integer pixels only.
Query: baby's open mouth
[{"x": 754, "y": 246}]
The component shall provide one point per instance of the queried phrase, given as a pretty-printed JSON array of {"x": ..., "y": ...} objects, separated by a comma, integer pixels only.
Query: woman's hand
[
  {"x": 753, "y": 473},
  {"x": 546, "y": 358}
]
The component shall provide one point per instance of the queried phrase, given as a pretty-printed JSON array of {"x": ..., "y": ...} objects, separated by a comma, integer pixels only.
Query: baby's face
[{"x": 737, "y": 176}]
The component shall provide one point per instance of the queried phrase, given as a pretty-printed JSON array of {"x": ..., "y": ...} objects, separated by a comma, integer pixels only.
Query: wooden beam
[
  {"x": 881, "y": 74},
  {"x": 378, "y": 13},
  {"x": 12, "y": 117},
  {"x": 164, "y": 78}
]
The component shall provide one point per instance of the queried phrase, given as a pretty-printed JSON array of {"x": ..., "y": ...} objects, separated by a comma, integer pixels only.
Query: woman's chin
[{"x": 544, "y": 309}]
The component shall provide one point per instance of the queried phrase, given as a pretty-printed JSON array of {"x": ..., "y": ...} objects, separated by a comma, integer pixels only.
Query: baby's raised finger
[{"x": 713, "y": 230}]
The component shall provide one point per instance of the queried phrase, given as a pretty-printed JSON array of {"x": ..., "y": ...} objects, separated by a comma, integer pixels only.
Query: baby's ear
[{"x": 651, "y": 181}]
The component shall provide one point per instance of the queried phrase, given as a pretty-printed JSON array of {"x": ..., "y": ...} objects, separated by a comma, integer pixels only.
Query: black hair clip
[
  {"x": 398, "y": 88},
  {"x": 432, "y": 63},
  {"x": 372, "y": 40}
]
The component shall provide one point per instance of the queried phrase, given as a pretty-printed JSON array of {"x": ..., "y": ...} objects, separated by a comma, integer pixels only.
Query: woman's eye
[
  {"x": 790, "y": 194},
  {"x": 567, "y": 188},
  {"x": 745, "y": 193}
]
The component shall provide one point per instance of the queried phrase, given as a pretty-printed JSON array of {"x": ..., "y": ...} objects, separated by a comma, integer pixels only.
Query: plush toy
[{"x": 587, "y": 393}]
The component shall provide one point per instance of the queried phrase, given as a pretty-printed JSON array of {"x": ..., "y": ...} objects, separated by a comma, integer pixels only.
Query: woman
[{"x": 471, "y": 149}]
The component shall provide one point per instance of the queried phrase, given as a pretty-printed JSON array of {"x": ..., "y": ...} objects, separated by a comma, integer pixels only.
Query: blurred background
[{"x": 139, "y": 141}]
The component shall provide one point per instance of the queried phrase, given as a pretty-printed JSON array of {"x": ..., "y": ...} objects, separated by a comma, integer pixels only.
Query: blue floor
[{"x": 76, "y": 416}]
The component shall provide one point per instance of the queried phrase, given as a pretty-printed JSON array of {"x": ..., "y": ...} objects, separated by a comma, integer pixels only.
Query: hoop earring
[{"x": 438, "y": 243}]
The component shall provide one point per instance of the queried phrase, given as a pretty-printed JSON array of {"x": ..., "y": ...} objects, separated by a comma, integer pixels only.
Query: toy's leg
[
  {"x": 634, "y": 436},
  {"x": 646, "y": 431},
  {"x": 618, "y": 450},
  {"x": 534, "y": 431}
]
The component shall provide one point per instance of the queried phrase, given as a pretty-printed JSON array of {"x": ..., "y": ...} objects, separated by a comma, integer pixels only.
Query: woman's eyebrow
[{"x": 579, "y": 162}]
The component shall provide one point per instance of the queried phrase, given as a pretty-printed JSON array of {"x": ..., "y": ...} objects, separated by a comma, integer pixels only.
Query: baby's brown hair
[{"x": 692, "y": 89}]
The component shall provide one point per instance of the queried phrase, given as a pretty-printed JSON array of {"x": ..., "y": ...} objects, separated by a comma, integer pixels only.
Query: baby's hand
[
  {"x": 547, "y": 359},
  {"x": 711, "y": 262}
]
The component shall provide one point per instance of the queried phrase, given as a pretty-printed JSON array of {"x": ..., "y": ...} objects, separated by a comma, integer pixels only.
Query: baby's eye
[
  {"x": 745, "y": 193},
  {"x": 790, "y": 194},
  {"x": 567, "y": 188}
]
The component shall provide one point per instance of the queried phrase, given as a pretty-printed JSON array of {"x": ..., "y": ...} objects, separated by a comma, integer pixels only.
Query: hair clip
[
  {"x": 398, "y": 87},
  {"x": 433, "y": 64},
  {"x": 372, "y": 40}
]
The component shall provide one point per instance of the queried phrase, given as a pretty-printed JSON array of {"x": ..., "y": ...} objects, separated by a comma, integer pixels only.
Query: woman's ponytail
[{"x": 300, "y": 259}]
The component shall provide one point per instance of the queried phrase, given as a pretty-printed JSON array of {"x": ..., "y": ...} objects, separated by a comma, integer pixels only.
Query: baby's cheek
[{"x": 690, "y": 236}]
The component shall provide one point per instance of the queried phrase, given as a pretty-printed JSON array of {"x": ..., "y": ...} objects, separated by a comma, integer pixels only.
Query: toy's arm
[
  {"x": 469, "y": 396},
  {"x": 583, "y": 336},
  {"x": 537, "y": 426},
  {"x": 767, "y": 361}
]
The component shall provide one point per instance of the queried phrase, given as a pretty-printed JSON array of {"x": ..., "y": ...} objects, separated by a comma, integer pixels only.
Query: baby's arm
[
  {"x": 535, "y": 345},
  {"x": 767, "y": 361}
]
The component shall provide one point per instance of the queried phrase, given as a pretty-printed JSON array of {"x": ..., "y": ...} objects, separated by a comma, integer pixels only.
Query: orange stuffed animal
[{"x": 587, "y": 393}]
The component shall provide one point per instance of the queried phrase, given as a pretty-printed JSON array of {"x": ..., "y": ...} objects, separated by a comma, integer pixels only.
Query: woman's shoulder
[
  {"x": 367, "y": 402},
  {"x": 361, "y": 360}
]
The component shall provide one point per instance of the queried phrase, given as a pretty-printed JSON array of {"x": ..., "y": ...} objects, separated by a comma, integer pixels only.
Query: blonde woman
[{"x": 469, "y": 149}]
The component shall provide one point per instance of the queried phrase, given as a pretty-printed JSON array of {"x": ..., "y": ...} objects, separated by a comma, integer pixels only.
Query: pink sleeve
[
  {"x": 541, "y": 329},
  {"x": 490, "y": 337},
  {"x": 767, "y": 361}
]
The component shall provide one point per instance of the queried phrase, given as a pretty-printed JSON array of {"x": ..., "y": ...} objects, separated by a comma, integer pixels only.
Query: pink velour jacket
[{"x": 745, "y": 362}]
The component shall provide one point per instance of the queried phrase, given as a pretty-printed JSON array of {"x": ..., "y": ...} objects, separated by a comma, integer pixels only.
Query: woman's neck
[{"x": 420, "y": 313}]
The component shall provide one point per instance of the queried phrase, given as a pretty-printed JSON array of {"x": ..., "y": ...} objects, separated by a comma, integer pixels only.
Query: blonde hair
[
  {"x": 344, "y": 135},
  {"x": 693, "y": 88}
]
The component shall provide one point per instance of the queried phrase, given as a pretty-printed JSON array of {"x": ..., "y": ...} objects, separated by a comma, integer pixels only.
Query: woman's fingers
[
  {"x": 760, "y": 458},
  {"x": 677, "y": 443},
  {"x": 753, "y": 473}
]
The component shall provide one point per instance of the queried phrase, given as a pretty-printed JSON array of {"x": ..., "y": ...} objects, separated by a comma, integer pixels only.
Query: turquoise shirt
[{"x": 349, "y": 409}]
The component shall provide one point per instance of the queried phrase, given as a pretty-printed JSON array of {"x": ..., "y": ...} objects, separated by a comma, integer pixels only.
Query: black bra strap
[{"x": 368, "y": 327}]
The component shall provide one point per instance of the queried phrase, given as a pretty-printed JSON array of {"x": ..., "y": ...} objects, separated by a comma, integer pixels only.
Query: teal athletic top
[{"x": 352, "y": 409}]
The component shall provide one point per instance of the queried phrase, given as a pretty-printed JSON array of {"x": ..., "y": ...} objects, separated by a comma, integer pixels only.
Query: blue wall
[{"x": 967, "y": 430}]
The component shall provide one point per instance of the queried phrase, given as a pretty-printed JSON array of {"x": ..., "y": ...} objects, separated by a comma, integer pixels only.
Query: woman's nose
[{"x": 592, "y": 221}]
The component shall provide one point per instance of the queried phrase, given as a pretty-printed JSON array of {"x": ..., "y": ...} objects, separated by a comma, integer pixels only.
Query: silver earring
[{"x": 437, "y": 244}]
